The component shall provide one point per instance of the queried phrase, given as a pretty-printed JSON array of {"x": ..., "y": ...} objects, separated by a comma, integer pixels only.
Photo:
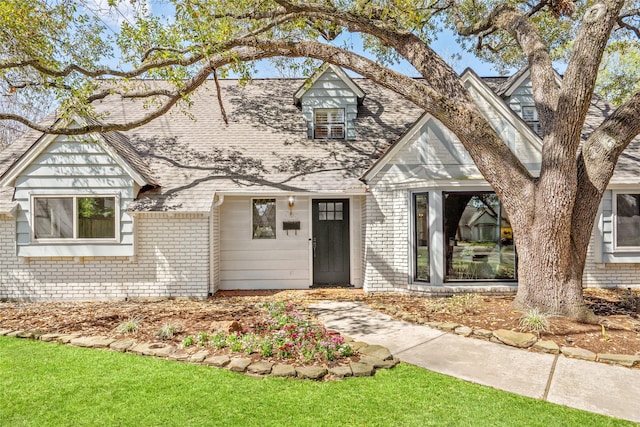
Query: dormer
[
  {"x": 517, "y": 92},
  {"x": 329, "y": 102}
]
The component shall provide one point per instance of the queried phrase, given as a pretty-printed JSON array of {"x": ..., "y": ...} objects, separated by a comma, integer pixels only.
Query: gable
[
  {"x": 429, "y": 151},
  {"x": 330, "y": 90},
  {"x": 113, "y": 144}
]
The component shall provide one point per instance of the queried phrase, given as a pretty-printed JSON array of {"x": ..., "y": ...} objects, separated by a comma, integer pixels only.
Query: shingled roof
[{"x": 263, "y": 150}]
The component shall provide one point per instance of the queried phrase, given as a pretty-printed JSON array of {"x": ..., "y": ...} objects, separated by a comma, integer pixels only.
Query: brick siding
[{"x": 172, "y": 261}]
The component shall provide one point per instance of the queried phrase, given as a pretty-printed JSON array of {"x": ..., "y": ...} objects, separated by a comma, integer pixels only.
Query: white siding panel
[{"x": 247, "y": 263}]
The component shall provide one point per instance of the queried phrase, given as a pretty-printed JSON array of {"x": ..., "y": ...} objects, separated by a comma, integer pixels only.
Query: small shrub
[
  {"x": 168, "y": 330},
  {"x": 218, "y": 340},
  {"x": 464, "y": 303},
  {"x": 130, "y": 325},
  {"x": 535, "y": 321},
  {"x": 203, "y": 339},
  {"x": 630, "y": 300},
  {"x": 266, "y": 347},
  {"x": 188, "y": 341}
]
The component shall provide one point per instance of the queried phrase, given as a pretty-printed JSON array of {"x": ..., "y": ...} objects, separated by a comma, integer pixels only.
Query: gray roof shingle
[{"x": 264, "y": 149}]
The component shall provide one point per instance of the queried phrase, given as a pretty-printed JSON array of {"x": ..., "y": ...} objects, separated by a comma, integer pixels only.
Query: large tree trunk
[
  {"x": 552, "y": 249},
  {"x": 547, "y": 283}
]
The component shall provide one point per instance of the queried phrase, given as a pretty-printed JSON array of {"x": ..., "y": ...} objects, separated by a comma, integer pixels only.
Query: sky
[{"x": 445, "y": 46}]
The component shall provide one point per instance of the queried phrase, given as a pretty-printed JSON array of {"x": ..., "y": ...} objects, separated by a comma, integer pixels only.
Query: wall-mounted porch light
[{"x": 292, "y": 202}]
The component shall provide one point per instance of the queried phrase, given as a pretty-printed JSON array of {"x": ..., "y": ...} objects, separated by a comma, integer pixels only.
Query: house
[{"x": 329, "y": 181}]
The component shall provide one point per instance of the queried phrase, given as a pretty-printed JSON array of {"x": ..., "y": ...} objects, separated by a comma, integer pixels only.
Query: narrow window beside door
[{"x": 264, "y": 218}]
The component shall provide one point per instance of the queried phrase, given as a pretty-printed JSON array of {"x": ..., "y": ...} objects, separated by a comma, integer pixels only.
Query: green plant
[
  {"x": 130, "y": 325},
  {"x": 535, "y": 321},
  {"x": 218, "y": 340},
  {"x": 630, "y": 300},
  {"x": 464, "y": 303},
  {"x": 203, "y": 339},
  {"x": 168, "y": 330},
  {"x": 266, "y": 347},
  {"x": 188, "y": 341}
]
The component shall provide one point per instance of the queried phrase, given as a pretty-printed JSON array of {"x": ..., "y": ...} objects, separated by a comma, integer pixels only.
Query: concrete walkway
[{"x": 590, "y": 386}]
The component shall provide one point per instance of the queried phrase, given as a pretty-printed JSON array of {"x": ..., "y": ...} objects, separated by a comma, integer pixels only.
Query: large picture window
[
  {"x": 264, "y": 218},
  {"x": 421, "y": 237},
  {"x": 627, "y": 214},
  {"x": 74, "y": 217},
  {"x": 478, "y": 238}
]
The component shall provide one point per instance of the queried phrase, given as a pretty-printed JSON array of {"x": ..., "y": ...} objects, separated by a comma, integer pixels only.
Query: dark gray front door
[{"x": 331, "y": 242}]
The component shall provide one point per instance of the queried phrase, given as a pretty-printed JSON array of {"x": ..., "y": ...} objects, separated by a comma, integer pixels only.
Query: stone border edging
[
  {"x": 516, "y": 339},
  {"x": 372, "y": 357}
]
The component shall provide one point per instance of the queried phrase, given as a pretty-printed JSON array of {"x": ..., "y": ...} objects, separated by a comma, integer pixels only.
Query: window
[
  {"x": 74, "y": 217},
  {"x": 627, "y": 217},
  {"x": 530, "y": 116},
  {"x": 264, "y": 218},
  {"x": 421, "y": 236},
  {"x": 478, "y": 238},
  {"x": 330, "y": 211},
  {"x": 329, "y": 123}
]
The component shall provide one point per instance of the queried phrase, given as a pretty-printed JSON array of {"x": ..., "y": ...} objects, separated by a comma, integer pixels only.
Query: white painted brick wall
[
  {"x": 609, "y": 275},
  {"x": 172, "y": 261},
  {"x": 386, "y": 259}
]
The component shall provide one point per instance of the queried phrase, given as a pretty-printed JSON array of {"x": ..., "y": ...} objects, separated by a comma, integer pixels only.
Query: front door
[{"x": 331, "y": 242}]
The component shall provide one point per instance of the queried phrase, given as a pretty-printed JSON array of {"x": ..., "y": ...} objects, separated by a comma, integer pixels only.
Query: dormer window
[
  {"x": 329, "y": 123},
  {"x": 530, "y": 116}
]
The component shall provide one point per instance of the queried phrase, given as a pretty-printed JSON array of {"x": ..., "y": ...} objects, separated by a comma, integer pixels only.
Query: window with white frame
[
  {"x": 74, "y": 217},
  {"x": 329, "y": 123},
  {"x": 627, "y": 220},
  {"x": 264, "y": 218},
  {"x": 530, "y": 116}
]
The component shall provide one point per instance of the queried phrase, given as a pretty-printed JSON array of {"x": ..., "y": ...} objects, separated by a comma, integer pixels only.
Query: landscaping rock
[
  {"x": 153, "y": 349},
  {"x": 180, "y": 355},
  {"x": 227, "y": 326},
  {"x": 92, "y": 342},
  {"x": 27, "y": 334},
  {"x": 239, "y": 364},
  {"x": 434, "y": 325},
  {"x": 379, "y": 363},
  {"x": 65, "y": 339},
  {"x": 360, "y": 369},
  {"x": 482, "y": 333},
  {"x": 47, "y": 337},
  {"x": 311, "y": 372},
  {"x": 465, "y": 331},
  {"x": 199, "y": 356},
  {"x": 357, "y": 345},
  {"x": 377, "y": 351},
  {"x": 409, "y": 318},
  {"x": 218, "y": 361},
  {"x": 515, "y": 339},
  {"x": 122, "y": 345},
  {"x": 340, "y": 371},
  {"x": 628, "y": 360},
  {"x": 347, "y": 338},
  {"x": 448, "y": 326},
  {"x": 260, "y": 368},
  {"x": 15, "y": 333},
  {"x": 546, "y": 346},
  {"x": 4, "y": 332},
  {"x": 283, "y": 371},
  {"x": 578, "y": 353}
]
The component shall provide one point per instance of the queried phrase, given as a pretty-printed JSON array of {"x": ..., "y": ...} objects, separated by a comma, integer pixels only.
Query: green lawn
[{"x": 44, "y": 384}]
